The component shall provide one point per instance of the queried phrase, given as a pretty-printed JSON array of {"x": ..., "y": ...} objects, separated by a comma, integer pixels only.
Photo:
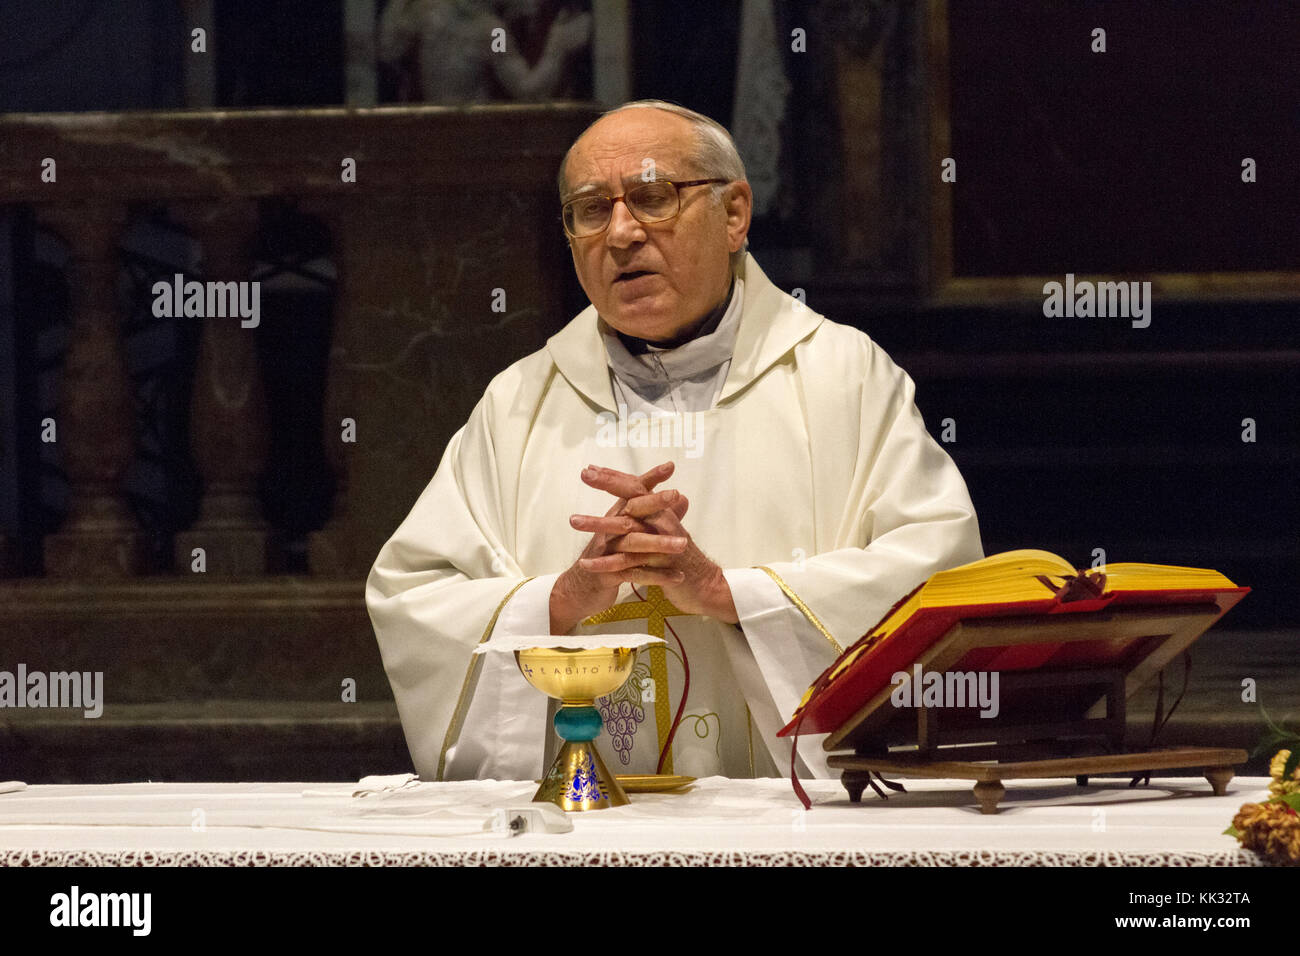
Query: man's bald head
[{"x": 714, "y": 151}]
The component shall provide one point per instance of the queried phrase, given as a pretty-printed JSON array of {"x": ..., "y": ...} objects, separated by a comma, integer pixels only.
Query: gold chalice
[{"x": 575, "y": 677}]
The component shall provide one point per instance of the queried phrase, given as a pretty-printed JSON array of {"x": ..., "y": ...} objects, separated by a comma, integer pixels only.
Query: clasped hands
[{"x": 640, "y": 539}]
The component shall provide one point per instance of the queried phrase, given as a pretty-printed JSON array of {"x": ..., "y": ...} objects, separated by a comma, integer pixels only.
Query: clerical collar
[
  {"x": 712, "y": 345},
  {"x": 636, "y": 346}
]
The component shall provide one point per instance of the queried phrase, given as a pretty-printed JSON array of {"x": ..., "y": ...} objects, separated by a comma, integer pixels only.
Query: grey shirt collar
[{"x": 712, "y": 346}]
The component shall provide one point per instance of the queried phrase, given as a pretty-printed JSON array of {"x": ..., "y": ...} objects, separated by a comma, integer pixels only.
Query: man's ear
[{"x": 738, "y": 202}]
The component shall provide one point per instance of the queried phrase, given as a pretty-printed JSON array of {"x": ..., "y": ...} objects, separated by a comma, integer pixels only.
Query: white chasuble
[{"x": 812, "y": 482}]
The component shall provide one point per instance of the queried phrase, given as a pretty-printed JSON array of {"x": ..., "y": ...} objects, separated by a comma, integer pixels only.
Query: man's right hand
[{"x": 579, "y": 593}]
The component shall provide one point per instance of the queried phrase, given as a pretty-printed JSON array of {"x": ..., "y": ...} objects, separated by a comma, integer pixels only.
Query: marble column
[
  {"x": 95, "y": 424},
  {"x": 228, "y": 411},
  {"x": 332, "y": 551}
]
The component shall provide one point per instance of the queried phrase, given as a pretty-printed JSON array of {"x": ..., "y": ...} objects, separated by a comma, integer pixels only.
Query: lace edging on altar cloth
[{"x": 493, "y": 857}]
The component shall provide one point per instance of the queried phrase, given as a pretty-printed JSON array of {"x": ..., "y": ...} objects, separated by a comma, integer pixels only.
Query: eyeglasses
[{"x": 650, "y": 202}]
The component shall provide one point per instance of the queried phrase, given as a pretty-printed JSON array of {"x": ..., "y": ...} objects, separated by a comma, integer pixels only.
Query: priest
[{"x": 697, "y": 455}]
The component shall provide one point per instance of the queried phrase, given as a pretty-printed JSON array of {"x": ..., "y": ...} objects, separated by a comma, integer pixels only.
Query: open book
[{"x": 1011, "y": 584}]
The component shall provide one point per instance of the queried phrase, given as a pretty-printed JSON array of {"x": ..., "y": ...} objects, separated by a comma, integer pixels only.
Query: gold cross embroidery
[{"x": 654, "y": 610}]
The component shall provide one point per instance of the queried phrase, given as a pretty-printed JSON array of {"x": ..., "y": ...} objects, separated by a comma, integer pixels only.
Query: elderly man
[{"x": 806, "y": 495}]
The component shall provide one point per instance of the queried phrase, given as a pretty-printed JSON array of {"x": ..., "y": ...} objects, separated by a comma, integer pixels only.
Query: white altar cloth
[{"x": 1172, "y": 821}]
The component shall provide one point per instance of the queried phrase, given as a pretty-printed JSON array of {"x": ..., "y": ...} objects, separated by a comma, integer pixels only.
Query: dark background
[{"x": 1073, "y": 434}]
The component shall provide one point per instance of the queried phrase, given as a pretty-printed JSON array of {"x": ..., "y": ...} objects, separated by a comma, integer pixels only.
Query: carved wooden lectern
[{"x": 1068, "y": 721}]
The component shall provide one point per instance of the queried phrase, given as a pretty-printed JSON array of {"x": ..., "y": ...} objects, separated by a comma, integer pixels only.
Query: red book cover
[{"x": 873, "y": 670}]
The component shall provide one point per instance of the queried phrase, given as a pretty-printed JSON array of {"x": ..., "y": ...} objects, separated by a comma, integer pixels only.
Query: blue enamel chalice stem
[{"x": 578, "y": 724}]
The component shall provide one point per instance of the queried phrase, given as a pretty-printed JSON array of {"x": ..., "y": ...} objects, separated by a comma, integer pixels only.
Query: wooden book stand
[{"x": 1064, "y": 722}]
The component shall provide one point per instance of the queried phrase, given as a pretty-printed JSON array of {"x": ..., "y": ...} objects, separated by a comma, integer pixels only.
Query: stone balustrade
[{"x": 428, "y": 209}]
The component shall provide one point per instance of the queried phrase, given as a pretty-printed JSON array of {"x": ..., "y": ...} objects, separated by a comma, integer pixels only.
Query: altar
[{"x": 717, "y": 822}]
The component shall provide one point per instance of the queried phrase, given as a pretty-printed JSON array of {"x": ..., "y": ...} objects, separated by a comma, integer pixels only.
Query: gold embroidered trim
[
  {"x": 458, "y": 715},
  {"x": 663, "y": 714},
  {"x": 803, "y": 608}
]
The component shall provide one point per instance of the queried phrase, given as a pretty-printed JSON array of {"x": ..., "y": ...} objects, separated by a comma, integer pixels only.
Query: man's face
[{"x": 653, "y": 280}]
